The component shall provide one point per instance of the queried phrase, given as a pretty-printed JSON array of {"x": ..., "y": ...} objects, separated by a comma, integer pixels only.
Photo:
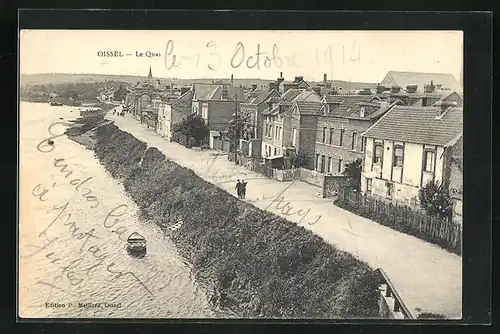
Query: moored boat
[
  {"x": 136, "y": 242},
  {"x": 56, "y": 104}
]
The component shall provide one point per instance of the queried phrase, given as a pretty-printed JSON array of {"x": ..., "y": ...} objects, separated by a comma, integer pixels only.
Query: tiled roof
[
  {"x": 202, "y": 90},
  {"x": 421, "y": 79},
  {"x": 291, "y": 94},
  {"x": 183, "y": 103},
  {"x": 309, "y": 107},
  {"x": 418, "y": 125},
  {"x": 259, "y": 95},
  {"x": 307, "y": 95},
  {"x": 347, "y": 104}
]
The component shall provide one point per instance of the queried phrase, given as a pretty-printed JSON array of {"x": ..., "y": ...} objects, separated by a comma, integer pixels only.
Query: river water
[{"x": 74, "y": 219}]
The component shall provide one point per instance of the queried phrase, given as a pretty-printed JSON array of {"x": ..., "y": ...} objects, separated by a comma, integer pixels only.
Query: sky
[{"x": 363, "y": 56}]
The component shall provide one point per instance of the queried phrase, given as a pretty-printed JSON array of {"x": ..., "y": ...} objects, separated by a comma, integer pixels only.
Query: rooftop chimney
[
  {"x": 254, "y": 87},
  {"x": 411, "y": 88},
  {"x": 380, "y": 89},
  {"x": 324, "y": 79},
  {"x": 224, "y": 94},
  {"x": 231, "y": 79},
  {"x": 429, "y": 88},
  {"x": 281, "y": 74},
  {"x": 395, "y": 89}
]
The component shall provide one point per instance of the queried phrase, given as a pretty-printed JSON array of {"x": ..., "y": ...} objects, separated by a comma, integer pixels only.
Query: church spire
[{"x": 150, "y": 75}]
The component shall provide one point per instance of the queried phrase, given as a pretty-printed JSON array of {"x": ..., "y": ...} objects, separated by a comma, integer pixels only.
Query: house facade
[
  {"x": 341, "y": 122},
  {"x": 173, "y": 112},
  {"x": 277, "y": 122},
  {"x": 258, "y": 101},
  {"x": 406, "y": 148},
  {"x": 216, "y": 104}
]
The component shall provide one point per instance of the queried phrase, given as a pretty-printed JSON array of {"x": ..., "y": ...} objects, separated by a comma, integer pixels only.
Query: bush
[{"x": 260, "y": 264}]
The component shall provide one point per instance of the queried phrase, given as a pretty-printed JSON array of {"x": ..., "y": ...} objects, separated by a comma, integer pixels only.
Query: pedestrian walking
[
  {"x": 238, "y": 188},
  {"x": 243, "y": 189}
]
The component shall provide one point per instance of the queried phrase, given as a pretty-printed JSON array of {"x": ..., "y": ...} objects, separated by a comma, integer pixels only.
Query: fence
[
  {"x": 447, "y": 234},
  {"x": 286, "y": 175}
]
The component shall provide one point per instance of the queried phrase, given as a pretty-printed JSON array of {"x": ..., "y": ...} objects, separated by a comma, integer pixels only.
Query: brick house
[
  {"x": 408, "y": 147},
  {"x": 277, "y": 124},
  {"x": 173, "y": 112},
  {"x": 340, "y": 123},
  {"x": 216, "y": 103},
  {"x": 302, "y": 135},
  {"x": 258, "y": 100}
]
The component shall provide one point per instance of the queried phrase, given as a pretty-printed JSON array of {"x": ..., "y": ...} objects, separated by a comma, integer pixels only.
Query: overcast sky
[{"x": 344, "y": 55}]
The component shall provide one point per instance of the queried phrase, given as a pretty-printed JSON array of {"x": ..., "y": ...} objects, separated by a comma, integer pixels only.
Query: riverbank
[{"x": 259, "y": 264}]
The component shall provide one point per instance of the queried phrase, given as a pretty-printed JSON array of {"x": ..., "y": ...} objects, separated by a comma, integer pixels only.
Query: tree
[
  {"x": 120, "y": 93},
  {"x": 238, "y": 127},
  {"x": 192, "y": 126},
  {"x": 299, "y": 159},
  {"x": 435, "y": 200},
  {"x": 353, "y": 173}
]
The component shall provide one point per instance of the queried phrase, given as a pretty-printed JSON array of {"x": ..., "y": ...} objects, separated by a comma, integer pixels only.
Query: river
[{"x": 74, "y": 219}]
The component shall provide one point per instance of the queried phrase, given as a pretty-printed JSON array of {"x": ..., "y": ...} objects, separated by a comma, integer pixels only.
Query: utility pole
[{"x": 237, "y": 132}]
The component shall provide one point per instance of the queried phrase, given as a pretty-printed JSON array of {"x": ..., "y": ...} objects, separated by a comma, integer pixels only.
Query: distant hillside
[{"x": 60, "y": 78}]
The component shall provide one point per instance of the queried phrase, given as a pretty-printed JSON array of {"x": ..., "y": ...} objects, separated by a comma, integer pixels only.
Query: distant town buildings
[{"x": 406, "y": 132}]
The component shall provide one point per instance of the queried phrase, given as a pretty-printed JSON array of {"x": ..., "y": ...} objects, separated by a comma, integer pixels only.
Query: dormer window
[{"x": 362, "y": 111}]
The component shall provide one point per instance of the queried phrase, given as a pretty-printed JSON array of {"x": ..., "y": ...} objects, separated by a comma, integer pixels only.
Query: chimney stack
[
  {"x": 411, "y": 88},
  {"x": 231, "y": 79},
  {"x": 224, "y": 94},
  {"x": 429, "y": 88},
  {"x": 324, "y": 79},
  {"x": 281, "y": 74},
  {"x": 254, "y": 87},
  {"x": 395, "y": 89}
]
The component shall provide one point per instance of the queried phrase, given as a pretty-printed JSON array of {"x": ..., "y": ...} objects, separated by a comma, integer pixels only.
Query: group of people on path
[{"x": 241, "y": 188}]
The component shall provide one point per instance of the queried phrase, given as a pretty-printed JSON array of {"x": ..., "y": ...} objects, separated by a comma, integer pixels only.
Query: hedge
[{"x": 259, "y": 264}]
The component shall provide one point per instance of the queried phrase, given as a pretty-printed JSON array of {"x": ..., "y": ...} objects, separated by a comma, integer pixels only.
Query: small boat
[
  {"x": 56, "y": 104},
  {"x": 136, "y": 243}
]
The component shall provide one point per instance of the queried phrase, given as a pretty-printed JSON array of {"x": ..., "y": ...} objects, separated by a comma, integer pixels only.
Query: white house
[
  {"x": 173, "y": 112},
  {"x": 408, "y": 147}
]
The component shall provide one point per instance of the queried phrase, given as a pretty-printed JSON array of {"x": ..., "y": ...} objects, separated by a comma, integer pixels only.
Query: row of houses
[{"x": 407, "y": 132}]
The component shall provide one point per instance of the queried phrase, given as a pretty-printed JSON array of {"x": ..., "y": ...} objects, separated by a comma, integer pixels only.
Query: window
[
  {"x": 323, "y": 160},
  {"x": 378, "y": 153},
  {"x": 317, "y": 161},
  {"x": 294, "y": 138},
  {"x": 398, "y": 156},
  {"x": 354, "y": 142},
  {"x": 275, "y": 151},
  {"x": 429, "y": 161},
  {"x": 369, "y": 185},
  {"x": 362, "y": 111},
  {"x": 341, "y": 139},
  {"x": 341, "y": 167},
  {"x": 329, "y": 166},
  {"x": 331, "y": 136},
  {"x": 324, "y": 135},
  {"x": 363, "y": 143}
]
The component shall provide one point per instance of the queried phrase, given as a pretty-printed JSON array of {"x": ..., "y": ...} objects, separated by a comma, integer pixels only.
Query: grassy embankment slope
[{"x": 259, "y": 264}]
